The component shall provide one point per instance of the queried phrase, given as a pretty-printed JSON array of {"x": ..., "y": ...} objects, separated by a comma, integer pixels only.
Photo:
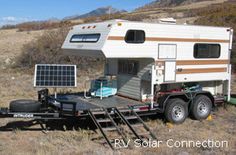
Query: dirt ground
[{"x": 26, "y": 140}]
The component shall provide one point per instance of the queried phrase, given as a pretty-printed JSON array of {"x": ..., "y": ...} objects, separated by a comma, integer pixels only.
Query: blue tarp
[{"x": 106, "y": 92}]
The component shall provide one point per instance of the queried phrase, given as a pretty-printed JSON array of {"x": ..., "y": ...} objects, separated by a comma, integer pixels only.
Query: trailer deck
[{"x": 83, "y": 104}]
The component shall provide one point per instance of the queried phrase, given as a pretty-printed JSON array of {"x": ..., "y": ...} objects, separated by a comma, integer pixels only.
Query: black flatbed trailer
[
  {"x": 109, "y": 110},
  {"x": 76, "y": 105}
]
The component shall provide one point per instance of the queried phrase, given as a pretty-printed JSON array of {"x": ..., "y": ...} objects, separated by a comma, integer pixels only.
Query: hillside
[
  {"x": 169, "y": 3},
  {"x": 97, "y": 12}
]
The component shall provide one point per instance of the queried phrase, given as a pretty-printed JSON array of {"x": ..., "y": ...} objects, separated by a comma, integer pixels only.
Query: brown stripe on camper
[
  {"x": 196, "y": 62},
  {"x": 116, "y": 38},
  {"x": 201, "y": 70},
  {"x": 174, "y": 39},
  {"x": 201, "y": 62}
]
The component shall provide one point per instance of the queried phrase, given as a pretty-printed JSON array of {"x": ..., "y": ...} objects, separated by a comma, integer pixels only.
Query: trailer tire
[
  {"x": 25, "y": 106},
  {"x": 176, "y": 111},
  {"x": 201, "y": 108}
]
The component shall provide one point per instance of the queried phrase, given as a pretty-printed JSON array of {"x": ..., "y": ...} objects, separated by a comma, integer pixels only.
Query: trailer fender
[
  {"x": 24, "y": 106},
  {"x": 183, "y": 97},
  {"x": 164, "y": 99}
]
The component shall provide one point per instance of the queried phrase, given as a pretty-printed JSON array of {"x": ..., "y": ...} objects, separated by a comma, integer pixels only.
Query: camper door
[{"x": 168, "y": 53}]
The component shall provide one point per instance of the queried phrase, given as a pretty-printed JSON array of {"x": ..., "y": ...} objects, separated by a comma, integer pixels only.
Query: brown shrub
[
  {"x": 103, "y": 18},
  {"x": 91, "y": 19},
  {"x": 125, "y": 16},
  {"x": 47, "y": 50},
  {"x": 42, "y": 25},
  {"x": 136, "y": 17},
  {"x": 7, "y": 27}
]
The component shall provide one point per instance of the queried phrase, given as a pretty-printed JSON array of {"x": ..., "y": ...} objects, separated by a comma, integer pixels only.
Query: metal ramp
[{"x": 120, "y": 124}]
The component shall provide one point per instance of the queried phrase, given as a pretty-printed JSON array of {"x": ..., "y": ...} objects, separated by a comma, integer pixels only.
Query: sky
[{"x": 17, "y": 11}]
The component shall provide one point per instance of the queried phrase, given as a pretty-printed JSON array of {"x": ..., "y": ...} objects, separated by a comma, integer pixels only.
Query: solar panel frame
[{"x": 55, "y": 76}]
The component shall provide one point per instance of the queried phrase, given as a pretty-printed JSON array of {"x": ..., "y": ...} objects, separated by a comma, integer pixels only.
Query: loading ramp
[{"x": 125, "y": 122}]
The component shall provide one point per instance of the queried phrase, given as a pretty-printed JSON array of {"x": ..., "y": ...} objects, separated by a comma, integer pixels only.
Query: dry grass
[
  {"x": 200, "y": 4},
  {"x": 222, "y": 127},
  {"x": 42, "y": 25},
  {"x": 11, "y": 43},
  {"x": 15, "y": 84},
  {"x": 194, "y": 5}
]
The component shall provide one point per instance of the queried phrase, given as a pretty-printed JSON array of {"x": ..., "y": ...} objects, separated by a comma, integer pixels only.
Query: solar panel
[{"x": 55, "y": 76}]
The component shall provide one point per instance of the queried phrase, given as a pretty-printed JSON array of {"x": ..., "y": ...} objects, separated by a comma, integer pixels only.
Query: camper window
[
  {"x": 129, "y": 67},
  {"x": 135, "y": 36},
  {"x": 89, "y": 38},
  {"x": 207, "y": 51}
]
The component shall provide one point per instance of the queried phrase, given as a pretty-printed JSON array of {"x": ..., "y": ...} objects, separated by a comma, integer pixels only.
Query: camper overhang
[{"x": 85, "y": 53}]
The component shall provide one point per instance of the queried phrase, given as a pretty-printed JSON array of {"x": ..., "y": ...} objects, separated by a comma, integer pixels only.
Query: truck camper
[{"x": 151, "y": 61}]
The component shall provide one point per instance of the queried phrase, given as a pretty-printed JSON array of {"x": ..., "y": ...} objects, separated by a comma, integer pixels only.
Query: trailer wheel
[
  {"x": 176, "y": 111},
  {"x": 25, "y": 106},
  {"x": 201, "y": 108}
]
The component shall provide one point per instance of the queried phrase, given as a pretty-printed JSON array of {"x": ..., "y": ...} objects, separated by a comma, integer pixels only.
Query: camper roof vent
[{"x": 167, "y": 20}]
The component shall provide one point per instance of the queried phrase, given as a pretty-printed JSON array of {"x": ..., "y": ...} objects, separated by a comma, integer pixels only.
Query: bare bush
[
  {"x": 91, "y": 19},
  {"x": 42, "y": 25},
  {"x": 137, "y": 17},
  {"x": 131, "y": 17},
  {"x": 7, "y": 27},
  {"x": 47, "y": 50}
]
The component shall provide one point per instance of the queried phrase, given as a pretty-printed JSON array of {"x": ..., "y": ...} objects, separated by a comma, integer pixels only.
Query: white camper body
[{"x": 145, "y": 56}]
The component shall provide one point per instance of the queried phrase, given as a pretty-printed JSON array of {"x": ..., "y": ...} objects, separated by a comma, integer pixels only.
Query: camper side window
[
  {"x": 135, "y": 36},
  {"x": 129, "y": 67},
  {"x": 207, "y": 51}
]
